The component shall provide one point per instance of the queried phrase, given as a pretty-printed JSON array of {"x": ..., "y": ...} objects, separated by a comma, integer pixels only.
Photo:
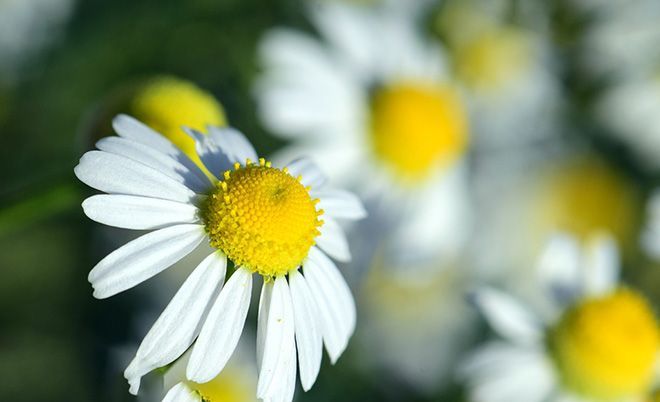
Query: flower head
[{"x": 264, "y": 219}]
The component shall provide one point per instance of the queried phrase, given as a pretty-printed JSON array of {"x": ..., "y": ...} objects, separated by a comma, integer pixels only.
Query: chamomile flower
[
  {"x": 389, "y": 121},
  {"x": 235, "y": 383},
  {"x": 267, "y": 220},
  {"x": 594, "y": 339},
  {"x": 166, "y": 103}
]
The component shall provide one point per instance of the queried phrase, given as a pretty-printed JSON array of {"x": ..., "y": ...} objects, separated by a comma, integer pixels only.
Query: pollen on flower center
[
  {"x": 416, "y": 126},
  {"x": 606, "y": 347},
  {"x": 262, "y": 218}
]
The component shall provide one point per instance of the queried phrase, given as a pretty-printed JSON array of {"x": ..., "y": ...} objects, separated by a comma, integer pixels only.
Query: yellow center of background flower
[
  {"x": 229, "y": 386},
  {"x": 493, "y": 58},
  {"x": 262, "y": 218},
  {"x": 416, "y": 127},
  {"x": 167, "y": 103},
  {"x": 606, "y": 347},
  {"x": 585, "y": 196}
]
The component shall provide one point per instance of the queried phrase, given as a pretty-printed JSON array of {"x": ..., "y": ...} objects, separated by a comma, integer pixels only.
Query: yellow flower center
[
  {"x": 262, "y": 218},
  {"x": 493, "y": 58},
  {"x": 606, "y": 347},
  {"x": 416, "y": 127},
  {"x": 228, "y": 386},
  {"x": 586, "y": 196},
  {"x": 167, "y": 103}
]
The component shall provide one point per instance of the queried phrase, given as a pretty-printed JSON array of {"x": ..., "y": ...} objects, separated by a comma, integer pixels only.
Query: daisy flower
[
  {"x": 264, "y": 219},
  {"x": 389, "y": 121},
  {"x": 235, "y": 383},
  {"x": 593, "y": 338}
]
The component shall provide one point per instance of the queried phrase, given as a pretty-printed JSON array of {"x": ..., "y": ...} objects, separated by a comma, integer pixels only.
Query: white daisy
[
  {"x": 372, "y": 97},
  {"x": 592, "y": 340},
  {"x": 264, "y": 219}
]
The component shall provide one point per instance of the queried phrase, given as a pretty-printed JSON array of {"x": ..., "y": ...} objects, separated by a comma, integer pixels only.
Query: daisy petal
[
  {"x": 176, "y": 328},
  {"x": 506, "y": 316},
  {"x": 143, "y": 258},
  {"x": 312, "y": 176},
  {"x": 262, "y": 324},
  {"x": 234, "y": 144},
  {"x": 215, "y": 159},
  {"x": 308, "y": 335},
  {"x": 139, "y": 213},
  {"x": 333, "y": 240},
  {"x": 601, "y": 265},
  {"x": 278, "y": 350},
  {"x": 559, "y": 267},
  {"x": 335, "y": 280},
  {"x": 181, "y": 393},
  {"x": 156, "y": 160},
  {"x": 116, "y": 174},
  {"x": 222, "y": 328},
  {"x": 335, "y": 306},
  {"x": 340, "y": 204},
  {"x": 132, "y": 129}
]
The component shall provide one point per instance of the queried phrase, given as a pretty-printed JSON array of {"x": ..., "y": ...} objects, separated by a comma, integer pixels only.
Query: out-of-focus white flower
[
  {"x": 593, "y": 340},
  {"x": 236, "y": 382},
  {"x": 521, "y": 204},
  {"x": 264, "y": 219},
  {"x": 26, "y": 26},
  {"x": 506, "y": 69},
  {"x": 371, "y": 97},
  {"x": 415, "y": 327}
]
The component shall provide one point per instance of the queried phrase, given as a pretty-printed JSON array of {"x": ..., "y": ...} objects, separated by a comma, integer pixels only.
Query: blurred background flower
[{"x": 475, "y": 131}]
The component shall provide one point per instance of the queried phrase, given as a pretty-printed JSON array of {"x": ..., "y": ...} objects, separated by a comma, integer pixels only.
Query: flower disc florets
[{"x": 262, "y": 218}]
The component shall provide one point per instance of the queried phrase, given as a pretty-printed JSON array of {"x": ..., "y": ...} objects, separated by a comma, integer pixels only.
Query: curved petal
[
  {"x": 279, "y": 348},
  {"x": 559, "y": 268},
  {"x": 222, "y": 328},
  {"x": 340, "y": 204},
  {"x": 212, "y": 156},
  {"x": 312, "y": 175},
  {"x": 139, "y": 213},
  {"x": 333, "y": 240},
  {"x": 335, "y": 304},
  {"x": 151, "y": 157},
  {"x": 262, "y": 324},
  {"x": 601, "y": 266},
  {"x": 506, "y": 316},
  {"x": 308, "y": 334},
  {"x": 117, "y": 174},
  {"x": 181, "y": 393},
  {"x": 234, "y": 144},
  {"x": 142, "y": 258},
  {"x": 176, "y": 328},
  {"x": 132, "y": 129}
]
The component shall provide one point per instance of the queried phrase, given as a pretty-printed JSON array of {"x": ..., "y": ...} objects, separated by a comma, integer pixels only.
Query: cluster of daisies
[{"x": 399, "y": 127}]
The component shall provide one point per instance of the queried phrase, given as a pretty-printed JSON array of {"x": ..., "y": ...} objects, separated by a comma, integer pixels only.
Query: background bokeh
[{"x": 66, "y": 67}]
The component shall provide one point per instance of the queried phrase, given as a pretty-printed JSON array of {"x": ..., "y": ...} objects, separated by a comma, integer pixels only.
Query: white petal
[
  {"x": 215, "y": 159},
  {"x": 308, "y": 333},
  {"x": 335, "y": 304},
  {"x": 509, "y": 373},
  {"x": 234, "y": 144},
  {"x": 279, "y": 348},
  {"x": 181, "y": 393},
  {"x": 222, "y": 328},
  {"x": 601, "y": 265},
  {"x": 312, "y": 176},
  {"x": 130, "y": 128},
  {"x": 178, "y": 325},
  {"x": 262, "y": 324},
  {"x": 140, "y": 213},
  {"x": 120, "y": 175},
  {"x": 340, "y": 204},
  {"x": 335, "y": 280},
  {"x": 157, "y": 160},
  {"x": 559, "y": 267},
  {"x": 333, "y": 240},
  {"x": 142, "y": 258},
  {"x": 506, "y": 316}
]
